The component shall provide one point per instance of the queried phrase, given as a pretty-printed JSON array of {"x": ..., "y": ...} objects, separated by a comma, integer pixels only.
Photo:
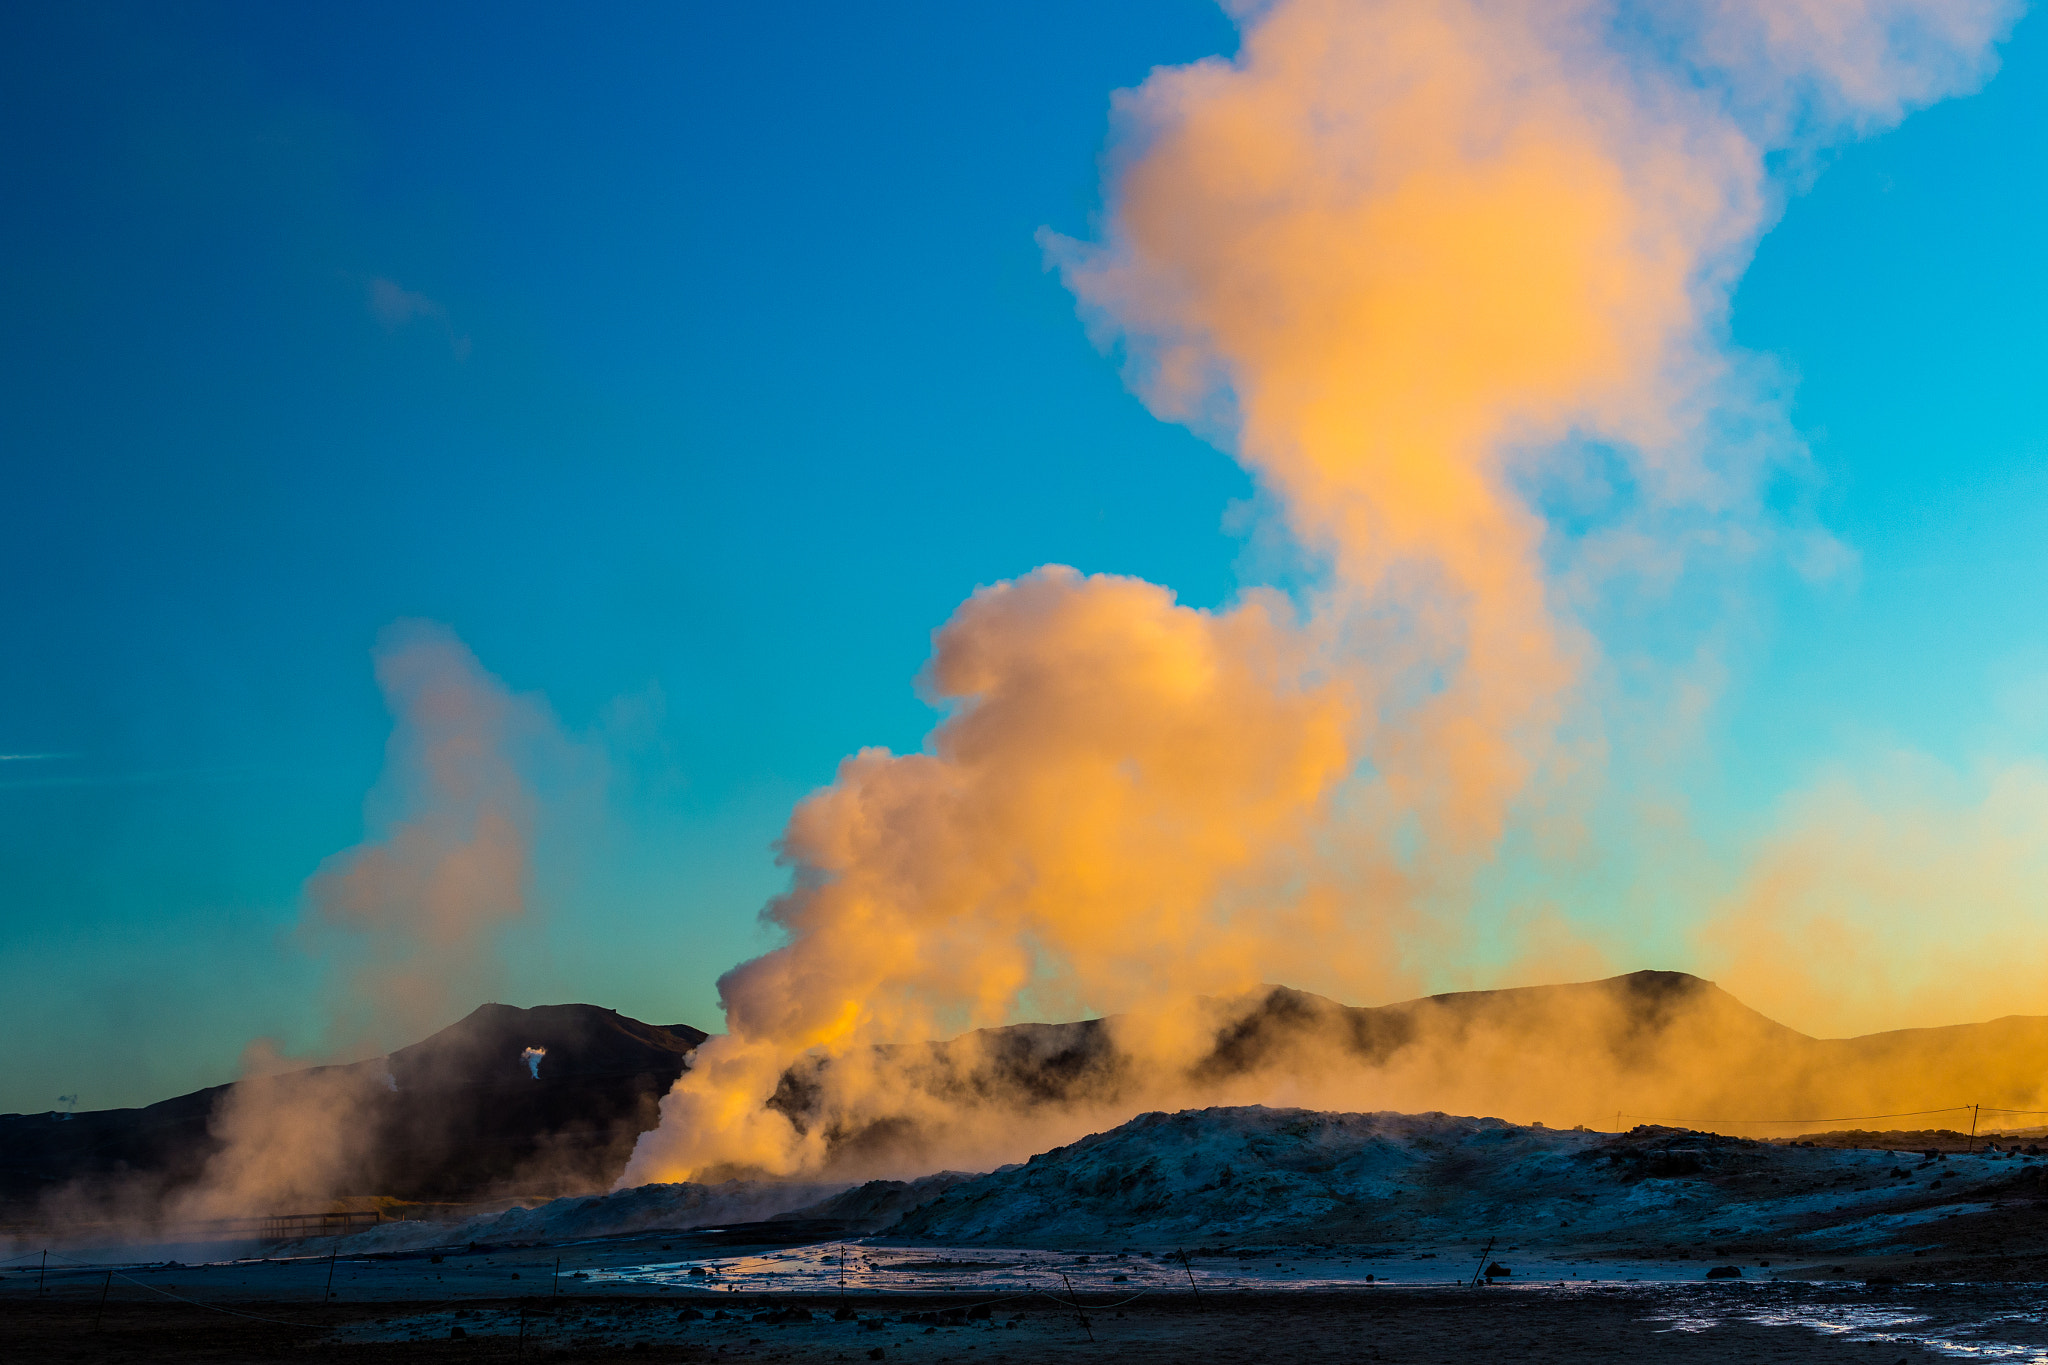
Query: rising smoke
[{"x": 1412, "y": 261}]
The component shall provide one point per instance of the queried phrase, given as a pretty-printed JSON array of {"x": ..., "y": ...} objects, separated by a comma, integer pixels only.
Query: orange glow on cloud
[
  {"x": 1398, "y": 255},
  {"x": 1907, "y": 896}
]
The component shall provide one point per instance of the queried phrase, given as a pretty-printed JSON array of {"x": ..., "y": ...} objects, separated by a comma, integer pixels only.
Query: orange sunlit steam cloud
[
  {"x": 1408, "y": 242},
  {"x": 1117, "y": 770},
  {"x": 1406, "y": 260},
  {"x": 1905, "y": 894}
]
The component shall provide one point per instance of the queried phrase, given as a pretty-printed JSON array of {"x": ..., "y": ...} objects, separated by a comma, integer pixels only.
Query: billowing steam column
[{"x": 1411, "y": 261}]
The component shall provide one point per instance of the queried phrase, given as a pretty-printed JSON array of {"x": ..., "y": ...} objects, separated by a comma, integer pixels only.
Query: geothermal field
[{"x": 1245, "y": 1228}]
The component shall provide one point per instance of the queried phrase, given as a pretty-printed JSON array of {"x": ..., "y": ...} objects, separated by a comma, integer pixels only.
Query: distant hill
[
  {"x": 460, "y": 1116},
  {"x": 457, "y": 1116},
  {"x": 1649, "y": 1046}
]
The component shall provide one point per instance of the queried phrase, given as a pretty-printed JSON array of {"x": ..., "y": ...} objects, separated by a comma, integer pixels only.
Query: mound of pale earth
[
  {"x": 879, "y": 1204},
  {"x": 1255, "y": 1174}
]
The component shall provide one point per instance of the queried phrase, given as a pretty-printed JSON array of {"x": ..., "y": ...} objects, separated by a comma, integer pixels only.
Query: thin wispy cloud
[
  {"x": 130, "y": 779},
  {"x": 396, "y": 306},
  {"x": 33, "y": 758}
]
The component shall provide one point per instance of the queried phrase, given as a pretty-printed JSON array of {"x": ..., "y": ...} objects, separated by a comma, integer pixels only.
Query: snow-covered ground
[
  {"x": 1382, "y": 1189},
  {"x": 1302, "y": 1176}
]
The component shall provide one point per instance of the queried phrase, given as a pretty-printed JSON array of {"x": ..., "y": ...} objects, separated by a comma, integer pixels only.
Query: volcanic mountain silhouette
[
  {"x": 462, "y": 1115},
  {"x": 456, "y": 1116}
]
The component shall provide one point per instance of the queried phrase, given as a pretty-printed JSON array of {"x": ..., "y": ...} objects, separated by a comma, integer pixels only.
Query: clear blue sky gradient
[{"x": 741, "y": 369}]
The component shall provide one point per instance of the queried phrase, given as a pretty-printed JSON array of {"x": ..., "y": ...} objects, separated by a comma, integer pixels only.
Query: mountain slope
[
  {"x": 461, "y": 1116},
  {"x": 455, "y": 1116},
  {"x": 1656, "y": 1046}
]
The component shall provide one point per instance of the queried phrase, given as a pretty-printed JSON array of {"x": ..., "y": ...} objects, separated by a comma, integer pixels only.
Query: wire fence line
[
  {"x": 1975, "y": 1111},
  {"x": 209, "y": 1307},
  {"x": 1839, "y": 1118}
]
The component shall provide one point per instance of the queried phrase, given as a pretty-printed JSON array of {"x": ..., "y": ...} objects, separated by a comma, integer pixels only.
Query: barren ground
[
  {"x": 1788, "y": 1323},
  {"x": 1338, "y": 1244},
  {"x": 406, "y": 1308}
]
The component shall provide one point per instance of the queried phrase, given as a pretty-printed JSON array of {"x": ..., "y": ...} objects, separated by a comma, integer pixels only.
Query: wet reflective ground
[{"x": 726, "y": 1296}]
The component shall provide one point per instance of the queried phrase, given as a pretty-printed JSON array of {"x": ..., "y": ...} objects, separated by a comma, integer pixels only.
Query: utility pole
[
  {"x": 1484, "y": 1257},
  {"x": 1973, "y": 1130}
]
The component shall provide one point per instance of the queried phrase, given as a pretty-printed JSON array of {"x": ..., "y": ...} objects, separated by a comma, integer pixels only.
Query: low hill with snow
[{"x": 1253, "y": 1175}]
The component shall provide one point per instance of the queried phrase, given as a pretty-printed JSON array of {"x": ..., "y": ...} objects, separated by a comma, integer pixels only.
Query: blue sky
[{"x": 692, "y": 364}]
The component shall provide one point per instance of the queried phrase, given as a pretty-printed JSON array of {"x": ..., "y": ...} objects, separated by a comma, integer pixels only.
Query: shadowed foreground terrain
[
  {"x": 1236, "y": 1177},
  {"x": 769, "y": 1291},
  {"x": 1702, "y": 1323}
]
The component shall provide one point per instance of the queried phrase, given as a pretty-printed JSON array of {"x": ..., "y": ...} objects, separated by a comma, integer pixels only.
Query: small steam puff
[
  {"x": 1847, "y": 913},
  {"x": 1409, "y": 260},
  {"x": 408, "y": 920},
  {"x": 411, "y": 917},
  {"x": 531, "y": 1056}
]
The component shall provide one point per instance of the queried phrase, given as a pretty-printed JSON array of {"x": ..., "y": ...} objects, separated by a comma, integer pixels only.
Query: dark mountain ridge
[
  {"x": 460, "y": 1115},
  {"x": 457, "y": 1116}
]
